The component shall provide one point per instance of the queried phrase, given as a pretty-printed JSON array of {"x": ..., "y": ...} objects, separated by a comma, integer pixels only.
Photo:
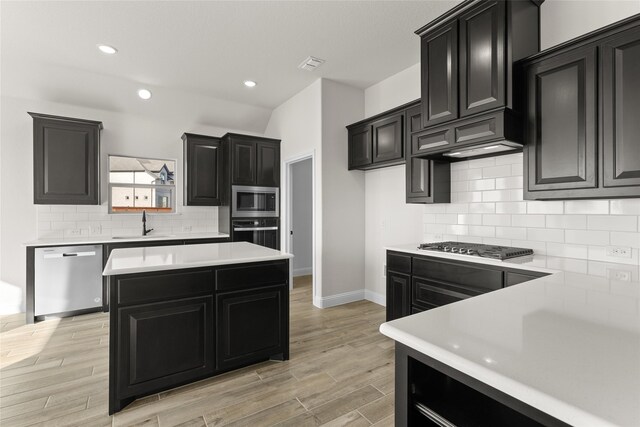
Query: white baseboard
[
  {"x": 334, "y": 300},
  {"x": 302, "y": 271},
  {"x": 380, "y": 299}
]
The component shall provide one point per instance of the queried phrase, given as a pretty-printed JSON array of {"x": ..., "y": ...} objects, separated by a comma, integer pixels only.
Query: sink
[{"x": 150, "y": 236}]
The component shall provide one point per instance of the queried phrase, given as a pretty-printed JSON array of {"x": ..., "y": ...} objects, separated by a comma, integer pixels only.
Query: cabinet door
[
  {"x": 268, "y": 164},
  {"x": 561, "y": 122},
  {"x": 360, "y": 142},
  {"x": 243, "y": 160},
  {"x": 252, "y": 325},
  {"x": 429, "y": 294},
  {"x": 621, "y": 110},
  {"x": 439, "y": 56},
  {"x": 482, "y": 58},
  {"x": 398, "y": 295},
  {"x": 66, "y": 166},
  {"x": 164, "y": 344},
  {"x": 388, "y": 139},
  {"x": 202, "y": 171},
  {"x": 427, "y": 181}
]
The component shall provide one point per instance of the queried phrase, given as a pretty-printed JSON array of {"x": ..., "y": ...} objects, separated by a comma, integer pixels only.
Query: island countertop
[
  {"x": 159, "y": 258},
  {"x": 567, "y": 344}
]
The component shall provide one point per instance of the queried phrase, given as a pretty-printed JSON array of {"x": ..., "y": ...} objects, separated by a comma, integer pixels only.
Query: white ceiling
[{"x": 195, "y": 55}]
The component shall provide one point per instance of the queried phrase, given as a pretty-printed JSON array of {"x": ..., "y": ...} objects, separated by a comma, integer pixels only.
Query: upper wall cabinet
[
  {"x": 254, "y": 160},
  {"x": 202, "y": 170},
  {"x": 582, "y": 108},
  {"x": 66, "y": 160},
  {"x": 378, "y": 141},
  {"x": 467, "y": 60}
]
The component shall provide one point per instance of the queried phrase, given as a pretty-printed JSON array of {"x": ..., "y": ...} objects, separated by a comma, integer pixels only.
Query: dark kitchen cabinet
[
  {"x": 561, "y": 135},
  {"x": 427, "y": 181},
  {"x": 620, "y": 71},
  {"x": 202, "y": 170},
  {"x": 360, "y": 146},
  {"x": 439, "y": 76},
  {"x": 251, "y": 325},
  {"x": 416, "y": 283},
  {"x": 255, "y": 161},
  {"x": 378, "y": 141},
  {"x": 482, "y": 58},
  {"x": 581, "y": 122},
  {"x": 66, "y": 160},
  {"x": 467, "y": 58},
  {"x": 388, "y": 139},
  {"x": 166, "y": 343}
]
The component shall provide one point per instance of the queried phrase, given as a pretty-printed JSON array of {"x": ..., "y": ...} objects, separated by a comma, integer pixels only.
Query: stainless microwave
[{"x": 247, "y": 201}]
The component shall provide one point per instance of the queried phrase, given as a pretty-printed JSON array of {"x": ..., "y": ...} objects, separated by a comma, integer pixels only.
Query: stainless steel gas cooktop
[{"x": 477, "y": 249}]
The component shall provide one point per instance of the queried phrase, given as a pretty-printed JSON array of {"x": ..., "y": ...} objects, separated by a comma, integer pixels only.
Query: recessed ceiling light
[
  {"x": 109, "y": 50},
  {"x": 250, "y": 83},
  {"x": 144, "y": 93}
]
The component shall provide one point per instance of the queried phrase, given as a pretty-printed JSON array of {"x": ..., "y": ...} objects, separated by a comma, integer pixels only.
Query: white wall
[
  {"x": 561, "y": 20},
  {"x": 388, "y": 219},
  {"x": 302, "y": 214},
  {"x": 124, "y": 134},
  {"x": 342, "y": 198}
]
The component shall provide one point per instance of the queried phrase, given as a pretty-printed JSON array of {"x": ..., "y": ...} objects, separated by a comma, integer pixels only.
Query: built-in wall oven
[
  {"x": 263, "y": 231},
  {"x": 252, "y": 202}
]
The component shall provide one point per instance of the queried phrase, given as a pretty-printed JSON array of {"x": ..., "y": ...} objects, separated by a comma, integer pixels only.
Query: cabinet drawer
[
  {"x": 480, "y": 129},
  {"x": 133, "y": 288},
  {"x": 459, "y": 274},
  {"x": 431, "y": 140},
  {"x": 244, "y": 276},
  {"x": 429, "y": 294},
  {"x": 399, "y": 263}
]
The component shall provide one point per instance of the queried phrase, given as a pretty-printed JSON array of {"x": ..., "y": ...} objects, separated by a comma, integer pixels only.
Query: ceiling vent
[{"x": 311, "y": 63}]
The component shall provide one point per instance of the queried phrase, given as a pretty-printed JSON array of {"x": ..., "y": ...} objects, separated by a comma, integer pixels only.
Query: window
[{"x": 137, "y": 184}]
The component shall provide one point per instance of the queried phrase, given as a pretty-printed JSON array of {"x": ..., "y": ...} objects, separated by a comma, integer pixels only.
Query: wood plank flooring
[{"x": 341, "y": 373}]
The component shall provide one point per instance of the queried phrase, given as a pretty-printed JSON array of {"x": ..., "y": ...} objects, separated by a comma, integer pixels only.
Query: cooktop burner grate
[{"x": 477, "y": 249}]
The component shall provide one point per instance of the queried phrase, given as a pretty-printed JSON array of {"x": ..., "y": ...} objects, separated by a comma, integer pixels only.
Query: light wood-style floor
[{"x": 54, "y": 373}]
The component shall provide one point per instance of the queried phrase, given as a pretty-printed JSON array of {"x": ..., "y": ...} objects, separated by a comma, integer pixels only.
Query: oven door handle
[{"x": 255, "y": 228}]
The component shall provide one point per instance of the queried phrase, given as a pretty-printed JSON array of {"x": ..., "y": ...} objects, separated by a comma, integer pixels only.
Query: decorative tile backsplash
[
  {"x": 487, "y": 207},
  {"x": 58, "y": 221}
]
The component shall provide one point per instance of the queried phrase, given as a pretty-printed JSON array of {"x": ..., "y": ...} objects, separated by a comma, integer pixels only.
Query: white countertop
[
  {"x": 159, "y": 258},
  {"x": 567, "y": 344},
  {"x": 66, "y": 241}
]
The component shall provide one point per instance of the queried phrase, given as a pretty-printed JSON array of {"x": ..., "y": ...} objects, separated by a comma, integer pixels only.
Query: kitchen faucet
[{"x": 144, "y": 224}]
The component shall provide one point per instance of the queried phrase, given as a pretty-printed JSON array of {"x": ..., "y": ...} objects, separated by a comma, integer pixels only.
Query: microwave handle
[{"x": 255, "y": 228}]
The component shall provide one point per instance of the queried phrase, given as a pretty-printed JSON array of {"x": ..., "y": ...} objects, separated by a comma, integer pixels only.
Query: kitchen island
[
  {"x": 558, "y": 350},
  {"x": 183, "y": 313}
]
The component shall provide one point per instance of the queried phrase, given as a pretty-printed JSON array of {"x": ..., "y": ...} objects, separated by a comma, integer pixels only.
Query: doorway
[{"x": 300, "y": 224}]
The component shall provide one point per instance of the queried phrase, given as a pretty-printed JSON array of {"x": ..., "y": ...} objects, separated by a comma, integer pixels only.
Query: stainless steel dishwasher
[{"x": 68, "y": 279}]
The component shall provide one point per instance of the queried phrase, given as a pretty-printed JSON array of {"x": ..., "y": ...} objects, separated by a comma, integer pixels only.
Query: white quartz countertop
[
  {"x": 567, "y": 344},
  {"x": 124, "y": 239},
  {"x": 159, "y": 258}
]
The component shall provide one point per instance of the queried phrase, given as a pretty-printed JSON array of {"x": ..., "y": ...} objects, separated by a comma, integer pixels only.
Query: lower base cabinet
[
  {"x": 170, "y": 328},
  {"x": 398, "y": 295}
]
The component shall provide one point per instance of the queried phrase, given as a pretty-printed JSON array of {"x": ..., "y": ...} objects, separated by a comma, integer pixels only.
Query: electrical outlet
[
  {"x": 95, "y": 229},
  {"x": 186, "y": 228},
  {"x": 622, "y": 275},
  {"x": 618, "y": 251},
  {"x": 439, "y": 237},
  {"x": 75, "y": 232}
]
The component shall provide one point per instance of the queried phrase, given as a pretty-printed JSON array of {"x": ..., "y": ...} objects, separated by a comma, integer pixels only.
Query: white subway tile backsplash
[
  {"x": 457, "y": 229},
  {"x": 466, "y": 174},
  {"x": 482, "y": 208},
  {"x": 539, "y": 248},
  {"x": 470, "y": 219},
  {"x": 63, "y": 208},
  {"x": 49, "y": 216},
  {"x": 76, "y": 216},
  {"x": 509, "y": 159},
  {"x": 494, "y": 241},
  {"x": 429, "y": 218},
  {"x": 496, "y": 219},
  {"x": 496, "y": 171},
  {"x": 625, "y": 207},
  {"x": 457, "y": 208},
  {"x": 511, "y": 207},
  {"x": 576, "y": 222},
  {"x": 501, "y": 195},
  {"x": 511, "y": 233},
  {"x": 533, "y": 221},
  {"x": 446, "y": 219},
  {"x": 516, "y": 169},
  {"x": 482, "y": 231},
  {"x": 456, "y": 166},
  {"x": 612, "y": 223},
  {"x": 545, "y": 235},
  {"x": 599, "y": 253},
  {"x": 44, "y": 225},
  {"x": 509, "y": 182},
  {"x": 567, "y": 250},
  {"x": 436, "y": 208},
  {"x": 481, "y": 163},
  {"x": 538, "y": 207},
  {"x": 586, "y": 207},
  {"x": 466, "y": 197},
  {"x": 458, "y": 186},
  {"x": 587, "y": 237},
  {"x": 482, "y": 184},
  {"x": 625, "y": 239}
]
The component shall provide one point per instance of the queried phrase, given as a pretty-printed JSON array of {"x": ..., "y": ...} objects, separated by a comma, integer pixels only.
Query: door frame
[{"x": 286, "y": 234}]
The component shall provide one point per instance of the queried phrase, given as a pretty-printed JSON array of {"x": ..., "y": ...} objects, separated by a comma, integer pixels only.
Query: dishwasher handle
[
  {"x": 255, "y": 228},
  {"x": 69, "y": 254}
]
